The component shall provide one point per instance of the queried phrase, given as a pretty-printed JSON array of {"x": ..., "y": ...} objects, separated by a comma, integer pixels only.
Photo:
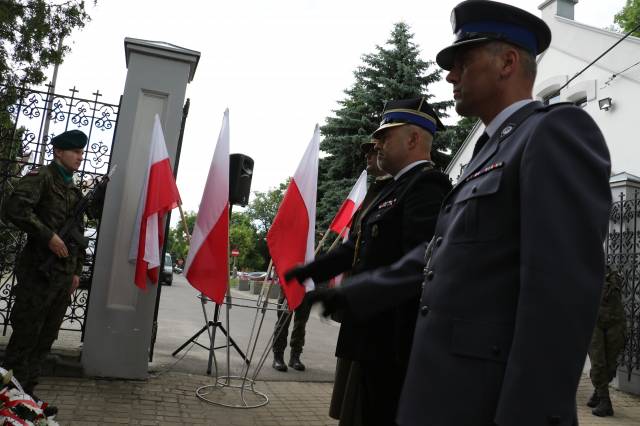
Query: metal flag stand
[{"x": 244, "y": 383}]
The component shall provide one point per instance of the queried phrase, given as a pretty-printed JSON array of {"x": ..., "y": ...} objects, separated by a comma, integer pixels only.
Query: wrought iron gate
[
  {"x": 28, "y": 120},
  {"x": 623, "y": 251}
]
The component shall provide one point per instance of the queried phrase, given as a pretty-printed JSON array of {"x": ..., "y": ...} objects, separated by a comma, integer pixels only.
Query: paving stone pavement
[{"x": 169, "y": 399}]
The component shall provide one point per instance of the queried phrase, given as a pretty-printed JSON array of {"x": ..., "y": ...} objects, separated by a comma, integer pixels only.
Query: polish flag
[
  {"x": 291, "y": 236},
  {"x": 158, "y": 197},
  {"x": 207, "y": 266},
  {"x": 350, "y": 205}
]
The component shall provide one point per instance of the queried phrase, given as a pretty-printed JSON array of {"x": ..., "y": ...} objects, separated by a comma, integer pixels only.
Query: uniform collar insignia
[{"x": 506, "y": 130}]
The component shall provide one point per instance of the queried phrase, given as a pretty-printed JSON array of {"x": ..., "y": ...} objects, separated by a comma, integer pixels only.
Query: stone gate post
[{"x": 119, "y": 322}]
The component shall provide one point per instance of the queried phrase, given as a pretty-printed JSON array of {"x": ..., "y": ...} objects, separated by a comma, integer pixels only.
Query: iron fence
[
  {"x": 28, "y": 120},
  {"x": 623, "y": 251}
]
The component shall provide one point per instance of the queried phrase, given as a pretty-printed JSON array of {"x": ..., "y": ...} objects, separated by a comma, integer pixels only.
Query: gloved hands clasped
[
  {"x": 332, "y": 300},
  {"x": 298, "y": 273}
]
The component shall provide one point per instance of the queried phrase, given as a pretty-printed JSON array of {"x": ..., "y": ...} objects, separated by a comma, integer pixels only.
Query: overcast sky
[{"x": 280, "y": 66}]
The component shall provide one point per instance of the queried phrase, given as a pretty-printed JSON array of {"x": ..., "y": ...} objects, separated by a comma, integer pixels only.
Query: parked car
[
  {"x": 253, "y": 276},
  {"x": 166, "y": 274}
]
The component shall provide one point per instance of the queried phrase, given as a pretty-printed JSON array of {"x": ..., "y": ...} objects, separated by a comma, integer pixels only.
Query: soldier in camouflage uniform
[
  {"x": 41, "y": 203},
  {"x": 606, "y": 343}
]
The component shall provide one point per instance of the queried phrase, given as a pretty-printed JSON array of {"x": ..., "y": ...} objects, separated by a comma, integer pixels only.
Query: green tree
[
  {"x": 243, "y": 237},
  {"x": 454, "y": 136},
  {"x": 31, "y": 34},
  {"x": 177, "y": 240},
  {"x": 393, "y": 71},
  {"x": 262, "y": 210},
  {"x": 629, "y": 17}
]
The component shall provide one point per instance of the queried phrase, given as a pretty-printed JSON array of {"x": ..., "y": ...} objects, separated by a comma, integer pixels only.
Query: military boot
[
  {"x": 604, "y": 408},
  {"x": 295, "y": 363},
  {"x": 594, "y": 400},
  {"x": 278, "y": 361}
]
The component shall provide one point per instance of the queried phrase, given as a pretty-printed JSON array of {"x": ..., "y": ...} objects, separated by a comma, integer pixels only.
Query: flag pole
[
  {"x": 184, "y": 222},
  {"x": 338, "y": 239},
  {"x": 324, "y": 237}
]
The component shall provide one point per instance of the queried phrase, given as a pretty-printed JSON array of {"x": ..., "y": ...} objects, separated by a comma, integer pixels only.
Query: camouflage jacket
[
  {"x": 611, "y": 307},
  {"x": 39, "y": 205}
]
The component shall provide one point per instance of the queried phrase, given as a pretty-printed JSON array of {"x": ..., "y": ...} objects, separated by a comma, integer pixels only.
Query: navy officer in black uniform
[
  {"x": 402, "y": 216},
  {"x": 514, "y": 272}
]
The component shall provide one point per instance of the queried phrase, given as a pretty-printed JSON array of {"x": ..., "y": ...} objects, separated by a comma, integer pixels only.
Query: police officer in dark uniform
[
  {"x": 514, "y": 272},
  {"x": 41, "y": 203},
  {"x": 348, "y": 376},
  {"x": 607, "y": 343},
  {"x": 401, "y": 217}
]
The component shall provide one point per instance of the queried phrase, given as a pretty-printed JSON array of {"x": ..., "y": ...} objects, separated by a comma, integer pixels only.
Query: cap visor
[
  {"x": 385, "y": 126},
  {"x": 447, "y": 55}
]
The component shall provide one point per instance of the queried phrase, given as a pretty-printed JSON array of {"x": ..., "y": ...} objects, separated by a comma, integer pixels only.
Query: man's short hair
[{"x": 527, "y": 60}]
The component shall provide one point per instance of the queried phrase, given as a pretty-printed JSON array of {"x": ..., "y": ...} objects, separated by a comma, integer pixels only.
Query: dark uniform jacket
[
  {"x": 402, "y": 216},
  {"x": 512, "y": 286},
  {"x": 39, "y": 205}
]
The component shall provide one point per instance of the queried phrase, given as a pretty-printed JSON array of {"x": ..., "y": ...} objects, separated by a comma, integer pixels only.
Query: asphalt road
[{"x": 181, "y": 316}]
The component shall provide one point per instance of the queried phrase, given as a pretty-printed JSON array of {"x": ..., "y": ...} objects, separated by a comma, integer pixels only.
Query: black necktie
[{"x": 480, "y": 143}]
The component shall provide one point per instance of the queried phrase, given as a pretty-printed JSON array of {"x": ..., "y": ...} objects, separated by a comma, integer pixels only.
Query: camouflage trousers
[
  {"x": 606, "y": 345},
  {"x": 300, "y": 318},
  {"x": 36, "y": 316}
]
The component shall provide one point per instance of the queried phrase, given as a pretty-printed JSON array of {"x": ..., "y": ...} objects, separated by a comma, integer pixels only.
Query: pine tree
[{"x": 393, "y": 71}]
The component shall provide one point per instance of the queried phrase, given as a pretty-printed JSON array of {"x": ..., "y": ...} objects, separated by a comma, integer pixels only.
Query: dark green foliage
[
  {"x": 393, "y": 71},
  {"x": 629, "y": 17},
  {"x": 454, "y": 136},
  {"x": 262, "y": 210},
  {"x": 243, "y": 237},
  {"x": 30, "y": 33}
]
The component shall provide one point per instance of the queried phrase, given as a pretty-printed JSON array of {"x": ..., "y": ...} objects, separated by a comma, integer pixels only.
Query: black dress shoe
[
  {"x": 278, "y": 361},
  {"x": 594, "y": 400},
  {"x": 295, "y": 363}
]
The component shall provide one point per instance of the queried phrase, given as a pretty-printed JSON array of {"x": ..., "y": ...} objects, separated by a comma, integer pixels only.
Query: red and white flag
[
  {"x": 350, "y": 205},
  {"x": 291, "y": 236},
  {"x": 207, "y": 266},
  {"x": 158, "y": 197}
]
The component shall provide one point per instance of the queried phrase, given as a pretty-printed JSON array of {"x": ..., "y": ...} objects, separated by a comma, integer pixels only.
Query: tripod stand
[{"x": 210, "y": 327}]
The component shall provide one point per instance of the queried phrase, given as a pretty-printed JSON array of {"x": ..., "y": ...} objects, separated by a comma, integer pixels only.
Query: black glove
[
  {"x": 332, "y": 300},
  {"x": 298, "y": 272}
]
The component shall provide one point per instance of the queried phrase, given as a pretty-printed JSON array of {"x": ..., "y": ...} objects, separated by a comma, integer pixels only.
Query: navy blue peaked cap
[
  {"x": 415, "y": 111},
  {"x": 71, "y": 139},
  {"x": 479, "y": 21}
]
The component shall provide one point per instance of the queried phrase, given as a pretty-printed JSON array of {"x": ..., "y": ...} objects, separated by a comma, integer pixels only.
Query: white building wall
[{"x": 573, "y": 47}]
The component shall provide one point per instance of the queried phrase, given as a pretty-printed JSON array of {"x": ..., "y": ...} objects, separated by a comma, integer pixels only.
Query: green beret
[{"x": 72, "y": 139}]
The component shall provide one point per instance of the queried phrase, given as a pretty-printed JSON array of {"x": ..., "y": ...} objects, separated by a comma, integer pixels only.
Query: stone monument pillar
[{"x": 120, "y": 316}]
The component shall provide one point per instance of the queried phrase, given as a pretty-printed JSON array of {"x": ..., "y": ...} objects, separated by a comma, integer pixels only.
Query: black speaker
[{"x": 240, "y": 174}]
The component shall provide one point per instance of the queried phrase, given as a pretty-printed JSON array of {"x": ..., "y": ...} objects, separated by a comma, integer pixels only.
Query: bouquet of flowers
[{"x": 18, "y": 408}]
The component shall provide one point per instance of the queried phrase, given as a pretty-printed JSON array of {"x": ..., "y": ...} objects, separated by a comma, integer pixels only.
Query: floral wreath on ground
[{"x": 18, "y": 408}]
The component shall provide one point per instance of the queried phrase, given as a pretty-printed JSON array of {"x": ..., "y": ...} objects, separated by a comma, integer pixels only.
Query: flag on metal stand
[
  {"x": 207, "y": 266},
  {"x": 159, "y": 196},
  {"x": 291, "y": 237}
]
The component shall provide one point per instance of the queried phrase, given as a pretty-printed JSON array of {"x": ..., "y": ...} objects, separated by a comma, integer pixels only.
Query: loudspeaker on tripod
[{"x": 240, "y": 174}]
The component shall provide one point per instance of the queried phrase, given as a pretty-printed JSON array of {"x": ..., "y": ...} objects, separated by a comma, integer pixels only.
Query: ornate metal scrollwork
[{"x": 24, "y": 145}]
